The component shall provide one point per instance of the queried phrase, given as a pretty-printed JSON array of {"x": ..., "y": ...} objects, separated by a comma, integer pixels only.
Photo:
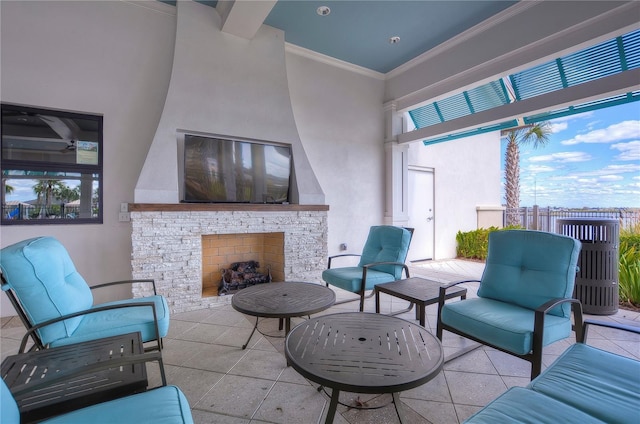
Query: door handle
[{"x": 429, "y": 218}]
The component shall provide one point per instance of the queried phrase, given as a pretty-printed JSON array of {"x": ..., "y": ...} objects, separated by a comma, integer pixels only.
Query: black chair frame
[{"x": 535, "y": 355}]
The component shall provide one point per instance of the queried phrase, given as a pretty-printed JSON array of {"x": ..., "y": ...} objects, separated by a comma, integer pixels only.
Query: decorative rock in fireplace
[
  {"x": 241, "y": 275},
  {"x": 167, "y": 244}
]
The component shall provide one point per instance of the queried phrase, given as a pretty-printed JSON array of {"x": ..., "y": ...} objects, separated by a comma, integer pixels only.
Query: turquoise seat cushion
[
  {"x": 45, "y": 280},
  {"x": 120, "y": 321},
  {"x": 600, "y": 383},
  {"x": 521, "y": 406},
  {"x": 350, "y": 278},
  {"x": 504, "y": 325},
  {"x": 9, "y": 412},
  {"x": 528, "y": 268},
  {"x": 386, "y": 243},
  {"x": 163, "y": 405}
]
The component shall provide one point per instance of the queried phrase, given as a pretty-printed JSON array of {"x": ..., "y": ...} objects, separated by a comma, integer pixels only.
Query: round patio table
[
  {"x": 364, "y": 353},
  {"x": 283, "y": 301}
]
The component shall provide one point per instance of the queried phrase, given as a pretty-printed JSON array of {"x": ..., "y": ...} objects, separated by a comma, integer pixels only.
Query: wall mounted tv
[{"x": 218, "y": 170}]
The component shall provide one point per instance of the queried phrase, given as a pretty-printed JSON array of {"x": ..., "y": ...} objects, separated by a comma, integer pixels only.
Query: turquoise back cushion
[
  {"x": 528, "y": 268},
  {"x": 386, "y": 244},
  {"x": 46, "y": 282}
]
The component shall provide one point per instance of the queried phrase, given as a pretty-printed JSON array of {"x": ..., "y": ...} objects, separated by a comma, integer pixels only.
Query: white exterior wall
[
  {"x": 340, "y": 120},
  {"x": 109, "y": 58},
  {"x": 466, "y": 175}
]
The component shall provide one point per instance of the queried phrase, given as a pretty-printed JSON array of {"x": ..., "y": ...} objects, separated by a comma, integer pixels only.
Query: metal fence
[
  {"x": 24, "y": 211},
  {"x": 544, "y": 219}
]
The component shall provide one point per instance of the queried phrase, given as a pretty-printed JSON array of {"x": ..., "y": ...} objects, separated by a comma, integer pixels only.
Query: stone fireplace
[{"x": 167, "y": 245}]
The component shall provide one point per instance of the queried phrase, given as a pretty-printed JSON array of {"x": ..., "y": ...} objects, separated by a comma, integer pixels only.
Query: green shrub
[
  {"x": 473, "y": 244},
  {"x": 629, "y": 269}
]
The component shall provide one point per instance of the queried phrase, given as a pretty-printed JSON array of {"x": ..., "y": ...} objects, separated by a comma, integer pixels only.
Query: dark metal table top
[
  {"x": 419, "y": 289},
  {"x": 76, "y": 392},
  {"x": 364, "y": 352},
  {"x": 283, "y": 300}
]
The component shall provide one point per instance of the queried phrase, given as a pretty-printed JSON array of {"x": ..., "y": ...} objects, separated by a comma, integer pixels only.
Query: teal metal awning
[
  {"x": 605, "y": 59},
  {"x": 478, "y": 99}
]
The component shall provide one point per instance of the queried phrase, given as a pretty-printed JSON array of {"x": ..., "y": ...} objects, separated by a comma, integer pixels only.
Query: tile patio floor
[{"x": 227, "y": 385}]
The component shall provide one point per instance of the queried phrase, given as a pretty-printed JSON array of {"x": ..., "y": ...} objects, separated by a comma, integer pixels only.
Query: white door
[{"x": 421, "y": 214}]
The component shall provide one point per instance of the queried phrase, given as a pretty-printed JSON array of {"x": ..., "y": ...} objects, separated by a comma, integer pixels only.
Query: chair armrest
[
  {"x": 371, "y": 265},
  {"x": 113, "y": 283},
  {"x": 339, "y": 256},
  {"x": 614, "y": 325},
  {"x": 443, "y": 291},
  {"x": 38, "y": 326},
  {"x": 366, "y": 267},
  {"x": 111, "y": 363},
  {"x": 541, "y": 311},
  {"x": 444, "y": 287}
]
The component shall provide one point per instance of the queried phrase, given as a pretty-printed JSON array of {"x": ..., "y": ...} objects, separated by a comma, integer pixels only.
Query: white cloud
[
  {"x": 557, "y": 127},
  {"x": 562, "y": 157},
  {"x": 564, "y": 178},
  {"x": 577, "y": 116},
  {"x": 610, "y": 170},
  {"x": 587, "y": 180},
  {"x": 540, "y": 168},
  {"x": 624, "y": 130},
  {"x": 628, "y": 151},
  {"x": 609, "y": 178}
]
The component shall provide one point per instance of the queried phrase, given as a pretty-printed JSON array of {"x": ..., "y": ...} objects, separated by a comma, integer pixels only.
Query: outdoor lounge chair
[
  {"x": 381, "y": 261},
  {"x": 525, "y": 296},
  {"x": 56, "y": 305}
]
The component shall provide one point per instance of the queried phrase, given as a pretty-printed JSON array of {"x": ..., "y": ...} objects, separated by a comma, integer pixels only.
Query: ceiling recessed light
[
  {"x": 394, "y": 40},
  {"x": 323, "y": 11}
]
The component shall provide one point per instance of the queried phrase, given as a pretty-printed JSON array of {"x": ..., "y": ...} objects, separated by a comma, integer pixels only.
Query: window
[{"x": 51, "y": 166}]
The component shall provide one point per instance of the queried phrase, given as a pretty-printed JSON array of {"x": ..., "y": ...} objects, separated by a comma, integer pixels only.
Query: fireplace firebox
[{"x": 237, "y": 255}]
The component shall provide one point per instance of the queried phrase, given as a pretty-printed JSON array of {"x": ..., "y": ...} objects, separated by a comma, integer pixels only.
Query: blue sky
[{"x": 591, "y": 160}]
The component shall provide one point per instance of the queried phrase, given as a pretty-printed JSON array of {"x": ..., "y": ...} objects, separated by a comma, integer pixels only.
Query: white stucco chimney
[{"x": 224, "y": 85}]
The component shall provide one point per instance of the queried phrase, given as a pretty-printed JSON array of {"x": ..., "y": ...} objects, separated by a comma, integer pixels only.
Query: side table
[
  {"x": 67, "y": 394},
  {"x": 416, "y": 290}
]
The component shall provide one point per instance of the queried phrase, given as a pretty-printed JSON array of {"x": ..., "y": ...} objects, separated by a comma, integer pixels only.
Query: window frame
[{"x": 7, "y": 165}]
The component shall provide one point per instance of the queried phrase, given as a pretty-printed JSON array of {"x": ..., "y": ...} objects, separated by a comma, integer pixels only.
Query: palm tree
[
  {"x": 47, "y": 190},
  {"x": 538, "y": 134},
  {"x": 8, "y": 189}
]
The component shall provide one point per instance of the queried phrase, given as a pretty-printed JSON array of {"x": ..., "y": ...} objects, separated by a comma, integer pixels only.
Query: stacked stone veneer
[{"x": 167, "y": 247}]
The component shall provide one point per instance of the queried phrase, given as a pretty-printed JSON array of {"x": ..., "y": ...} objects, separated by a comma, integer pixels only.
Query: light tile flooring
[{"x": 225, "y": 384}]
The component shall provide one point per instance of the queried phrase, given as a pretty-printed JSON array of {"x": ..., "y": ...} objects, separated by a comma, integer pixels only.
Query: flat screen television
[{"x": 219, "y": 170}]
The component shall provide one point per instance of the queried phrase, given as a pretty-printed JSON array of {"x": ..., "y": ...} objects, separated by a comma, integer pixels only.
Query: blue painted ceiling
[{"x": 358, "y": 31}]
